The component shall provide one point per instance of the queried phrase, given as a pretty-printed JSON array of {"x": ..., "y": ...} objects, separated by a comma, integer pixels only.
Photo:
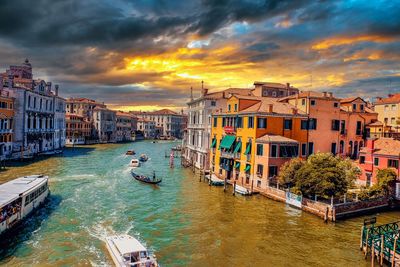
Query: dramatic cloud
[{"x": 144, "y": 54}]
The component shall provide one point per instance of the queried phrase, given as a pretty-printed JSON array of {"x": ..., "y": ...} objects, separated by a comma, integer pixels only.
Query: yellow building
[
  {"x": 245, "y": 120},
  {"x": 388, "y": 110}
]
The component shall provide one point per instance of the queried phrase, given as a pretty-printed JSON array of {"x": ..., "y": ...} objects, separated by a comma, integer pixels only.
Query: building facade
[
  {"x": 105, "y": 126},
  {"x": 6, "y": 124},
  {"x": 147, "y": 128},
  {"x": 78, "y": 129},
  {"x": 125, "y": 127}
]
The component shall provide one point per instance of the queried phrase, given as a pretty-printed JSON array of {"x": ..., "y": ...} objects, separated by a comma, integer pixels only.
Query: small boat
[
  {"x": 143, "y": 157},
  {"x": 214, "y": 180},
  {"x": 242, "y": 190},
  {"x": 146, "y": 179},
  {"x": 177, "y": 148},
  {"x": 134, "y": 163},
  {"x": 126, "y": 250},
  {"x": 130, "y": 152}
]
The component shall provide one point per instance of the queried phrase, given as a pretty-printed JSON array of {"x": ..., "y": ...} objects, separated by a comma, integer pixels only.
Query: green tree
[
  {"x": 288, "y": 170},
  {"x": 386, "y": 180},
  {"x": 322, "y": 174}
]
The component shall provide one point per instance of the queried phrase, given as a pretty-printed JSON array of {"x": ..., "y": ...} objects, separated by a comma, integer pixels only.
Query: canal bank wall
[{"x": 325, "y": 211}]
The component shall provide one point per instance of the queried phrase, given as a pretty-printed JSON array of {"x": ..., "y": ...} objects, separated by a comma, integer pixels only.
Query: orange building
[
  {"x": 240, "y": 132},
  {"x": 6, "y": 124},
  {"x": 78, "y": 129}
]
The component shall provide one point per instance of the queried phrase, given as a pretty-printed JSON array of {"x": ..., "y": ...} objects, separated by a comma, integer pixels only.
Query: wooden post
[
  {"x": 326, "y": 214},
  {"x": 225, "y": 184},
  {"x": 366, "y": 244},
  {"x": 234, "y": 187},
  {"x": 394, "y": 250},
  {"x": 361, "y": 239},
  {"x": 381, "y": 255},
  {"x": 252, "y": 181},
  {"x": 200, "y": 176},
  {"x": 372, "y": 253}
]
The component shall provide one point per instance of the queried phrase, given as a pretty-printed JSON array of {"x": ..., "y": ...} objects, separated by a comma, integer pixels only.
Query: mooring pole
[
  {"x": 234, "y": 188},
  {"x": 225, "y": 184}
]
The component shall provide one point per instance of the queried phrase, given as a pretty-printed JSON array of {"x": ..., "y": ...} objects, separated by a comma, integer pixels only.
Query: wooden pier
[{"x": 381, "y": 242}]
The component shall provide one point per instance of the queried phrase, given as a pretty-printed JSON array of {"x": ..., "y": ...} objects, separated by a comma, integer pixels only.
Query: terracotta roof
[
  {"x": 391, "y": 99},
  {"x": 270, "y": 138},
  {"x": 163, "y": 112},
  {"x": 350, "y": 99},
  {"x": 123, "y": 114},
  {"x": 376, "y": 123},
  {"x": 264, "y": 103},
  {"x": 385, "y": 146},
  {"x": 275, "y": 85},
  {"x": 224, "y": 94},
  {"x": 311, "y": 94}
]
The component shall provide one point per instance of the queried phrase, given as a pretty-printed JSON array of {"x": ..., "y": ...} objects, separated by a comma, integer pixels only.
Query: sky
[{"x": 146, "y": 54}]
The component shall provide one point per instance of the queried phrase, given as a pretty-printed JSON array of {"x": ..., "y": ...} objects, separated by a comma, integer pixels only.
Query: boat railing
[
  {"x": 10, "y": 212},
  {"x": 143, "y": 263}
]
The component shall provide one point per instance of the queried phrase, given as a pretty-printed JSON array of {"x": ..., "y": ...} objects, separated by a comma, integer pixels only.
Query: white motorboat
[
  {"x": 242, "y": 190},
  {"x": 126, "y": 250},
  {"x": 134, "y": 163}
]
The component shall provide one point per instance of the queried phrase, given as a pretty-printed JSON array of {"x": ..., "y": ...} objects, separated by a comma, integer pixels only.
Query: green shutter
[
  {"x": 237, "y": 165},
  {"x": 227, "y": 142},
  {"x": 248, "y": 149},
  {"x": 214, "y": 142},
  {"x": 237, "y": 148},
  {"x": 247, "y": 168}
]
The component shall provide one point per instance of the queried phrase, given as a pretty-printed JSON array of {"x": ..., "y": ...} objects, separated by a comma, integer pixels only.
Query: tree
[
  {"x": 322, "y": 174},
  {"x": 288, "y": 170},
  {"x": 386, "y": 180}
]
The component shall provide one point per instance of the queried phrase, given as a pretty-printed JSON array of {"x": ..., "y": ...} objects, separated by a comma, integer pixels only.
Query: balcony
[
  {"x": 5, "y": 131},
  {"x": 228, "y": 155},
  {"x": 248, "y": 157},
  {"x": 236, "y": 155}
]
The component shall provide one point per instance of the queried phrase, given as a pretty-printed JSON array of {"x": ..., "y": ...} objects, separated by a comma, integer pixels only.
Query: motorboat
[
  {"x": 146, "y": 179},
  {"x": 242, "y": 190},
  {"x": 130, "y": 152},
  {"x": 134, "y": 163},
  {"x": 143, "y": 158},
  {"x": 126, "y": 250}
]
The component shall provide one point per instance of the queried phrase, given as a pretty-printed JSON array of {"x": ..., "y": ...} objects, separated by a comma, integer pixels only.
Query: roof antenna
[{"x": 191, "y": 93}]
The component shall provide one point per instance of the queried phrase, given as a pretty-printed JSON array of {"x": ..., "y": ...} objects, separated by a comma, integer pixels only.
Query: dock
[{"x": 381, "y": 242}]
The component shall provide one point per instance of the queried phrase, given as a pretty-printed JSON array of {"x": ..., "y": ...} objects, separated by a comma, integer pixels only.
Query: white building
[
  {"x": 105, "y": 124},
  {"x": 59, "y": 121},
  {"x": 197, "y": 138},
  {"x": 126, "y": 126},
  {"x": 34, "y": 117},
  {"x": 147, "y": 127}
]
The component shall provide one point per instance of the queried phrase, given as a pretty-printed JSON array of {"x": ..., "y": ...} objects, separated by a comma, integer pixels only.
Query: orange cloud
[{"x": 345, "y": 40}]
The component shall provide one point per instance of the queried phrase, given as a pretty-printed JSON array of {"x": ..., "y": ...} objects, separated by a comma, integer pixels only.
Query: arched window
[
  {"x": 350, "y": 150},
  {"x": 341, "y": 147}
]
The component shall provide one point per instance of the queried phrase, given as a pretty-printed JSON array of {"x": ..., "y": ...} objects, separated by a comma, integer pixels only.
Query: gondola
[{"x": 146, "y": 179}]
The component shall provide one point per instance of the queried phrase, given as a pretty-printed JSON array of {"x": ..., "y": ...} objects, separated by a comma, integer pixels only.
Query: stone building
[
  {"x": 147, "y": 128},
  {"x": 125, "y": 126},
  {"x": 6, "y": 124},
  {"x": 104, "y": 121}
]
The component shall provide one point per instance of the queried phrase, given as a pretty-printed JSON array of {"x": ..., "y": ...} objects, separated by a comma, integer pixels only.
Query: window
[
  {"x": 310, "y": 148},
  {"x": 393, "y": 120},
  {"x": 385, "y": 120},
  {"x": 288, "y": 124},
  {"x": 358, "y": 130},
  {"x": 376, "y": 161},
  {"x": 303, "y": 102},
  {"x": 312, "y": 125},
  {"x": 312, "y": 102},
  {"x": 393, "y": 163},
  {"x": 335, "y": 125},
  {"x": 229, "y": 107},
  {"x": 239, "y": 122},
  {"x": 288, "y": 151},
  {"x": 259, "y": 149},
  {"x": 223, "y": 122},
  {"x": 260, "y": 169},
  {"x": 362, "y": 107},
  {"x": 335, "y": 104},
  {"x": 250, "y": 122},
  {"x": 304, "y": 124},
  {"x": 236, "y": 107},
  {"x": 354, "y": 107},
  {"x": 386, "y": 107},
  {"x": 304, "y": 149},
  {"x": 272, "y": 171},
  {"x": 333, "y": 148},
  {"x": 393, "y": 107},
  {"x": 213, "y": 103},
  {"x": 362, "y": 159},
  {"x": 274, "y": 151},
  {"x": 261, "y": 123},
  {"x": 343, "y": 127}
]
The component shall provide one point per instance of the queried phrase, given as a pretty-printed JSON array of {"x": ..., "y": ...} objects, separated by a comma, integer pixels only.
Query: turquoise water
[{"x": 184, "y": 221}]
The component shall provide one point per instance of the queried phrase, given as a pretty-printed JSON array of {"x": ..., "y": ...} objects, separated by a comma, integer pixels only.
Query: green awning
[
  {"x": 237, "y": 165},
  {"x": 227, "y": 142},
  {"x": 247, "y": 168},
  {"x": 237, "y": 148},
  {"x": 214, "y": 142},
  {"x": 248, "y": 148}
]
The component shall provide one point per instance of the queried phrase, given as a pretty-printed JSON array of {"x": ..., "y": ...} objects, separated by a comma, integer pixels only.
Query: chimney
[
  {"x": 56, "y": 89},
  {"x": 294, "y": 111},
  {"x": 390, "y": 95},
  {"x": 325, "y": 94},
  {"x": 270, "y": 108},
  {"x": 379, "y": 98},
  {"x": 287, "y": 85},
  {"x": 330, "y": 94},
  {"x": 10, "y": 81},
  {"x": 48, "y": 87}
]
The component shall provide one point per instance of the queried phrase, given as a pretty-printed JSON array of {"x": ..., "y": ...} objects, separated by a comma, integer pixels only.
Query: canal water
[{"x": 184, "y": 221}]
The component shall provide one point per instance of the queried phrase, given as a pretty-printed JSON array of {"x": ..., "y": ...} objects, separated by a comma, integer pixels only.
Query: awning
[
  {"x": 237, "y": 148},
  {"x": 227, "y": 142},
  {"x": 247, "y": 168},
  {"x": 214, "y": 142},
  {"x": 237, "y": 165},
  {"x": 248, "y": 148}
]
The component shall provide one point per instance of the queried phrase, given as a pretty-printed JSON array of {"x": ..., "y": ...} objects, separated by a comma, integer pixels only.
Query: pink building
[{"x": 378, "y": 154}]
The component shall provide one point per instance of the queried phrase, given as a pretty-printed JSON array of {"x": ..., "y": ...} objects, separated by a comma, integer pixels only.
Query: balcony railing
[
  {"x": 248, "y": 157},
  {"x": 5, "y": 131},
  {"x": 228, "y": 155},
  {"x": 237, "y": 155}
]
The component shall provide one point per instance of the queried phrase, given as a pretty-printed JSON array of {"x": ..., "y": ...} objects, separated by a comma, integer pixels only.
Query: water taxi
[
  {"x": 20, "y": 197},
  {"x": 130, "y": 152},
  {"x": 143, "y": 157},
  {"x": 134, "y": 163},
  {"x": 242, "y": 190},
  {"x": 126, "y": 250}
]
